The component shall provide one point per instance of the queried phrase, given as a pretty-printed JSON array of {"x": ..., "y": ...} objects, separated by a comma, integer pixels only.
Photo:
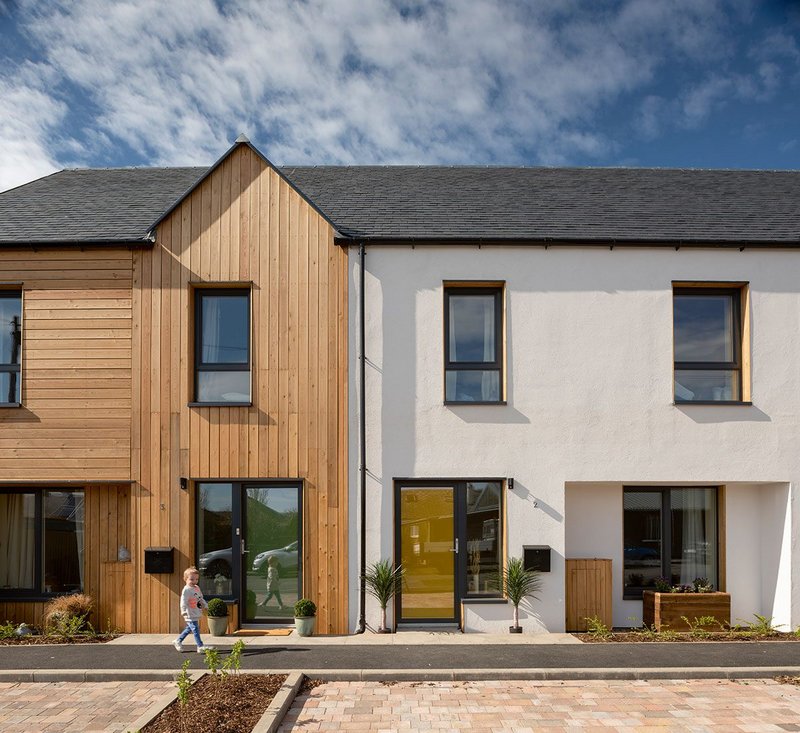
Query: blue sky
[{"x": 677, "y": 83}]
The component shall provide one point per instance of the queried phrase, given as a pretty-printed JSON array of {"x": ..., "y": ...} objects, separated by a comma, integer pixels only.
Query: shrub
[
  {"x": 59, "y": 612},
  {"x": 596, "y": 628},
  {"x": 662, "y": 585},
  {"x": 701, "y": 585},
  {"x": 217, "y": 608},
  {"x": 305, "y": 608}
]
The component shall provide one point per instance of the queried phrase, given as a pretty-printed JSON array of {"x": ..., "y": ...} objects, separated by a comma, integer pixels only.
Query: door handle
[
  {"x": 244, "y": 552},
  {"x": 455, "y": 549}
]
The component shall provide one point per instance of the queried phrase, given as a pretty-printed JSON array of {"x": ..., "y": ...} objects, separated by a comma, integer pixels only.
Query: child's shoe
[
  {"x": 204, "y": 648},
  {"x": 177, "y": 645}
]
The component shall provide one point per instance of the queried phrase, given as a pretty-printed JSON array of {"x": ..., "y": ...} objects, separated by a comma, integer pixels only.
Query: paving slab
[{"x": 694, "y": 705}]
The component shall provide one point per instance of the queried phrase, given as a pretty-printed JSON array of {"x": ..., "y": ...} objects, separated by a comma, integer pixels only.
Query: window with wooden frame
[
  {"x": 10, "y": 346},
  {"x": 473, "y": 344},
  {"x": 711, "y": 342},
  {"x": 222, "y": 346}
]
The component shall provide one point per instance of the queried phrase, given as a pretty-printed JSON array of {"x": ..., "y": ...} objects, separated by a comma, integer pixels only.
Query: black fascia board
[
  {"x": 32, "y": 243},
  {"x": 569, "y": 242}
]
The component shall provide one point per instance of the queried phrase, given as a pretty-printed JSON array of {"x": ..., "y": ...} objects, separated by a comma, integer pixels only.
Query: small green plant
[
  {"x": 667, "y": 634},
  {"x": 596, "y": 628},
  {"x": 518, "y": 583},
  {"x": 233, "y": 662},
  {"x": 763, "y": 626},
  {"x": 184, "y": 683},
  {"x": 8, "y": 630},
  {"x": 698, "y": 628},
  {"x": 304, "y": 608},
  {"x": 649, "y": 633},
  {"x": 701, "y": 585},
  {"x": 212, "y": 660},
  {"x": 382, "y": 581},
  {"x": 217, "y": 608},
  {"x": 662, "y": 585},
  {"x": 69, "y": 627}
]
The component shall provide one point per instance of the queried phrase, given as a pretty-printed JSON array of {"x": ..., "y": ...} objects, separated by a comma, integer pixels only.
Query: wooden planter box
[{"x": 665, "y": 610}]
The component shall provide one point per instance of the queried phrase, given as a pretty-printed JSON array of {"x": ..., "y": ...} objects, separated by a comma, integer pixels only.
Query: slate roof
[{"x": 433, "y": 203}]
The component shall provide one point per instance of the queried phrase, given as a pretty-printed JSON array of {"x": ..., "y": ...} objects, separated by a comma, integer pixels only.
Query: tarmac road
[{"x": 428, "y": 656}]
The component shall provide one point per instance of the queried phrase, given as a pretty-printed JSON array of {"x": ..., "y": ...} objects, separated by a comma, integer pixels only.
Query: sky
[{"x": 668, "y": 83}]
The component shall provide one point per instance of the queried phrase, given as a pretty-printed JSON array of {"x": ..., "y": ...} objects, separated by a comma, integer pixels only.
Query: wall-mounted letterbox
[
  {"x": 158, "y": 560},
  {"x": 537, "y": 557}
]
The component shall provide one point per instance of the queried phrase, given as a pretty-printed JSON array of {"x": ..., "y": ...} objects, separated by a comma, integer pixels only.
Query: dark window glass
[
  {"x": 41, "y": 542},
  {"x": 215, "y": 538},
  {"x": 63, "y": 541},
  {"x": 483, "y": 537},
  {"x": 10, "y": 346},
  {"x": 707, "y": 345},
  {"x": 222, "y": 351},
  {"x": 473, "y": 360},
  {"x": 669, "y": 533}
]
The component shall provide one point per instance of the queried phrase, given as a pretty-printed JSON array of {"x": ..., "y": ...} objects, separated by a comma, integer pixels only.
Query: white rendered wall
[{"x": 589, "y": 392}]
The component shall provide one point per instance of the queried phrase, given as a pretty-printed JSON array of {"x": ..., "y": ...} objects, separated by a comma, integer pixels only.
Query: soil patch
[
  {"x": 232, "y": 704},
  {"x": 45, "y": 639},
  {"x": 683, "y": 637}
]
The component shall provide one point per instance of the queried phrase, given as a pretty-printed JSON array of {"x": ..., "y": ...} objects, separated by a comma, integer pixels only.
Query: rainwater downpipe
[{"x": 362, "y": 438}]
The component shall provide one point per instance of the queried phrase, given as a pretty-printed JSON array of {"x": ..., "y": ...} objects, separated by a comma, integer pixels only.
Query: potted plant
[
  {"x": 305, "y": 613},
  {"x": 518, "y": 583},
  {"x": 217, "y": 617},
  {"x": 383, "y": 582},
  {"x": 670, "y": 605}
]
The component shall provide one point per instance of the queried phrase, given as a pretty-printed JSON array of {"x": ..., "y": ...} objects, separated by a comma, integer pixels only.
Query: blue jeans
[{"x": 191, "y": 628}]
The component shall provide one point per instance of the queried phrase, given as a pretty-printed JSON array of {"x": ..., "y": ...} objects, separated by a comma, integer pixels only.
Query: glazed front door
[
  {"x": 271, "y": 553},
  {"x": 428, "y": 550}
]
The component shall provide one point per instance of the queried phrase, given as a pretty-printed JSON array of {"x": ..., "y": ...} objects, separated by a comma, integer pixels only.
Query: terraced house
[{"x": 311, "y": 368}]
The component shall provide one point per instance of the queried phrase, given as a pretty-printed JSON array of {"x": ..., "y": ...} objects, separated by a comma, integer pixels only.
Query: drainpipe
[{"x": 362, "y": 436}]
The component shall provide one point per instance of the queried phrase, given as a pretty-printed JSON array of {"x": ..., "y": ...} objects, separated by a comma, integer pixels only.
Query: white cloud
[{"x": 386, "y": 81}]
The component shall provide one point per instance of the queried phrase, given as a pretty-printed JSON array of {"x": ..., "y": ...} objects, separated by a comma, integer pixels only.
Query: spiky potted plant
[
  {"x": 518, "y": 584},
  {"x": 383, "y": 582},
  {"x": 217, "y": 611}
]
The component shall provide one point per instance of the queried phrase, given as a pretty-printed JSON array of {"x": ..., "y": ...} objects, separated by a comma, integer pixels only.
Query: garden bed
[
  {"x": 230, "y": 704},
  {"x": 650, "y": 637},
  {"x": 52, "y": 639}
]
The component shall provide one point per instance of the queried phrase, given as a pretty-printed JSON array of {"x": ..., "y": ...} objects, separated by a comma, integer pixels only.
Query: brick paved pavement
[
  {"x": 754, "y": 706},
  {"x": 75, "y": 707}
]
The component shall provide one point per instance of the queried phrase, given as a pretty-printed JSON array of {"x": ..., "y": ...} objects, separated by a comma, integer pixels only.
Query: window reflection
[
  {"x": 10, "y": 346},
  {"x": 214, "y": 535},
  {"x": 483, "y": 537}
]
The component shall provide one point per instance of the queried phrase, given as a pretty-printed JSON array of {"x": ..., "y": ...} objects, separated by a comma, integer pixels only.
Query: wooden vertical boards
[
  {"x": 244, "y": 224},
  {"x": 588, "y": 592}
]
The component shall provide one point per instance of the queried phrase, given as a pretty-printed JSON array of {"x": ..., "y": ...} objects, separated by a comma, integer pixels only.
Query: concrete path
[
  {"x": 70, "y": 707},
  {"x": 698, "y": 705}
]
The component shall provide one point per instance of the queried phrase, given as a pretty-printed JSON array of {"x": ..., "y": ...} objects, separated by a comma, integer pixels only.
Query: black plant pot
[{"x": 514, "y": 629}]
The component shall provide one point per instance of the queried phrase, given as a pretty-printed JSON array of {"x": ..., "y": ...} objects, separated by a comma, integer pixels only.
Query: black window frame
[
  {"x": 10, "y": 368},
  {"x": 709, "y": 366},
  {"x": 200, "y": 365},
  {"x": 37, "y": 593},
  {"x": 666, "y": 532},
  {"x": 482, "y": 366}
]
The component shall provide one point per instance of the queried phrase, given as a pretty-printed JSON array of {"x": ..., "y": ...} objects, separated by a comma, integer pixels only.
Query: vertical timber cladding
[{"x": 244, "y": 223}]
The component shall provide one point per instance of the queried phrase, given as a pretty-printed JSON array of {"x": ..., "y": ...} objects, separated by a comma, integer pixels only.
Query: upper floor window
[
  {"x": 708, "y": 344},
  {"x": 473, "y": 344},
  {"x": 10, "y": 346},
  {"x": 222, "y": 346}
]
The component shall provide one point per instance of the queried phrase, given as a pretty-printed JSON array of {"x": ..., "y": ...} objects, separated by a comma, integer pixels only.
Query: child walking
[
  {"x": 192, "y": 605},
  {"x": 273, "y": 583}
]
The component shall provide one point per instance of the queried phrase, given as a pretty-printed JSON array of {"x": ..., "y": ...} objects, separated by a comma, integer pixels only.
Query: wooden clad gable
[{"x": 243, "y": 224}]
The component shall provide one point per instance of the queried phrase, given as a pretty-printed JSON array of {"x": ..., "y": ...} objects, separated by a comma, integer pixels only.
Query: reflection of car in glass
[
  {"x": 640, "y": 554},
  {"x": 286, "y": 557},
  {"x": 216, "y": 563}
]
